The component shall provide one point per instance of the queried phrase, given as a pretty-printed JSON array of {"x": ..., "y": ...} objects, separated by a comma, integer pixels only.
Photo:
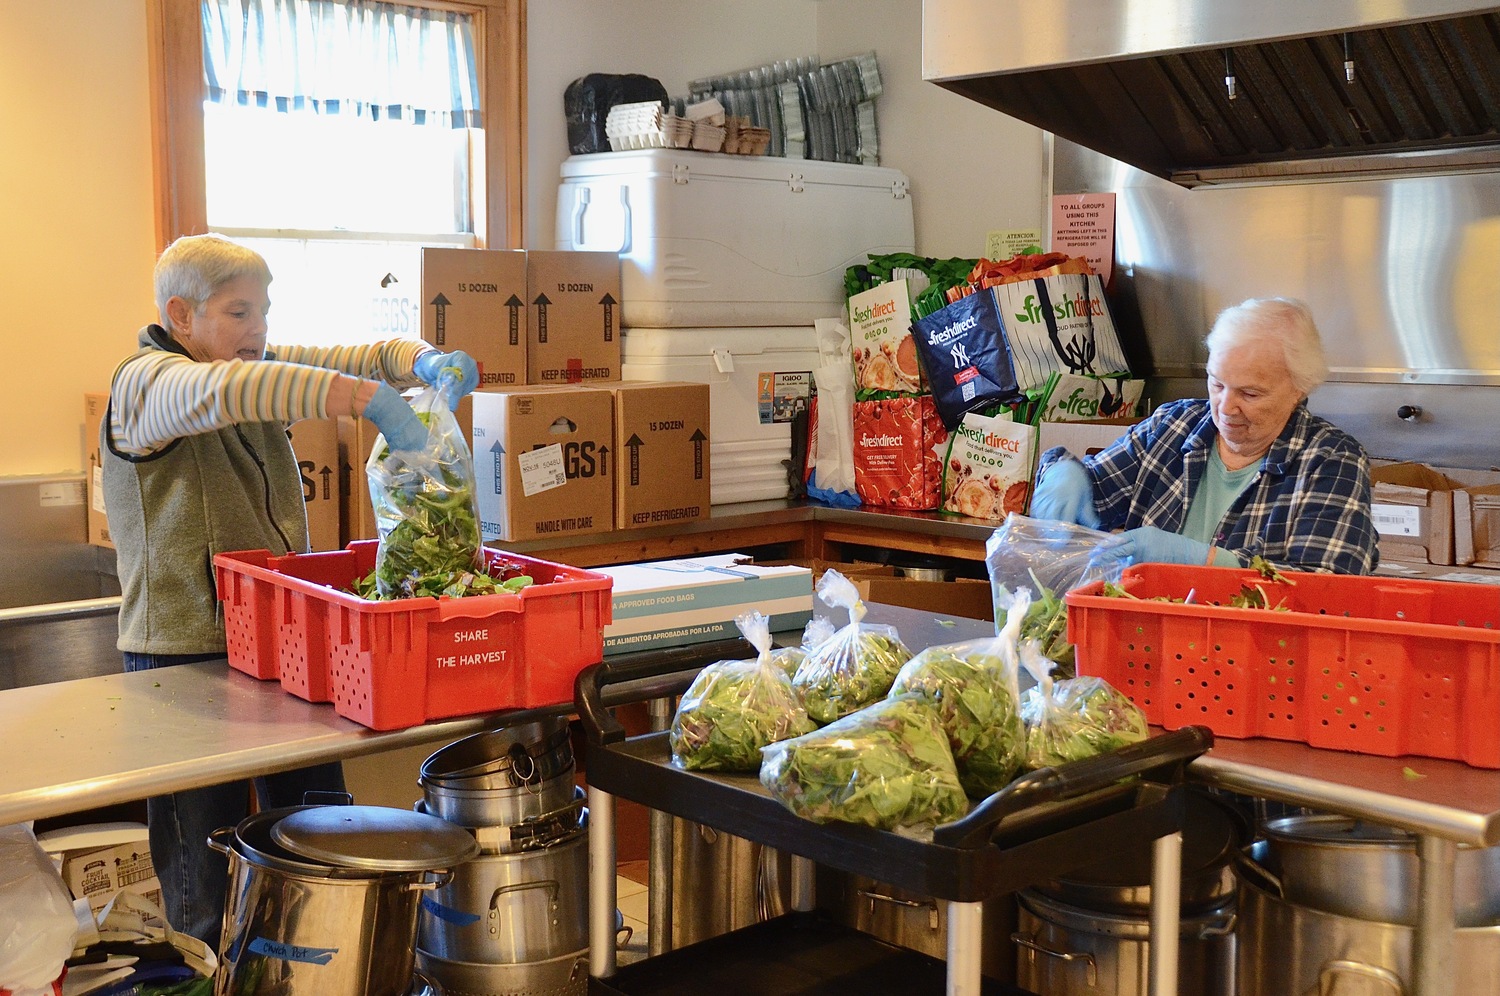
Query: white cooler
[
  {"x": 707, "y": 239},
  {"x": 755, "y": 376}
]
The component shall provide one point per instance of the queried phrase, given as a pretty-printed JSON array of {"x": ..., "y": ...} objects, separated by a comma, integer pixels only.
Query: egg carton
[{"x": 646, "y": 125}]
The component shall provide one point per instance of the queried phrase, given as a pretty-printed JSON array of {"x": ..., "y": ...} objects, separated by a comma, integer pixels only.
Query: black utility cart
[{"x": 1044, "y": 824}]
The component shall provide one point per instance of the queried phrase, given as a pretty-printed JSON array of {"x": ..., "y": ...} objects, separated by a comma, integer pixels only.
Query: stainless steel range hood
[{"x": 1215, "y": 91}]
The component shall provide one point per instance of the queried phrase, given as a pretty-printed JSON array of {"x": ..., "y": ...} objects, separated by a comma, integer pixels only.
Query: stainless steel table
[
  {"x": 1445, "y": 803},
  {"x": 73, "y": 745}
]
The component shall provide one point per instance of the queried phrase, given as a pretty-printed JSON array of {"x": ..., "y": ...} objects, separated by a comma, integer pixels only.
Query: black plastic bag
[{"x": 587, "y": 101}]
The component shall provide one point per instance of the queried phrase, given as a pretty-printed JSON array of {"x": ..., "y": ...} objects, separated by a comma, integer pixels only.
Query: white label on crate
[
  {"x": 1397, "y": 520},
  {"x": 542, "y": 470},
  {"x": 783, "y": 394},
  {"x": 99, "y": 490}
]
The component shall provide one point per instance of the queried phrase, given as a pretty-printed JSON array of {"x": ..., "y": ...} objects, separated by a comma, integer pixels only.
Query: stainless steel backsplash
[{"x": 1402, "y": 275}]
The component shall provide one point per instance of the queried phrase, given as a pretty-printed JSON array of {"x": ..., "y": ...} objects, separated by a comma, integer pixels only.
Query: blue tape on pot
[
  {"x": 448, "y": 914},
  {"x": 292, "y": 952}
]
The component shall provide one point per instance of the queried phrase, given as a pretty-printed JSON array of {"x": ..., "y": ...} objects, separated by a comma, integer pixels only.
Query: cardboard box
[
  {"x": 94, "y": 406},
  {"x": 672, "y": 602},
  {"x": 1413, "y": 511},
  {"x": 475, "y": 300},
  {"x": 544, "y": 462},
  {"x": 1476, "y": 516},
  {"x": 966, "y": 597},
  {"x": 1081, "y": 438},
  {"x": 662, "y": 448},
  {"x": 574, "y": 300},
  {"x": 315, "y": 441},
  {"x": 356, "y": 437},
  {"x": 97, "y": 861}
]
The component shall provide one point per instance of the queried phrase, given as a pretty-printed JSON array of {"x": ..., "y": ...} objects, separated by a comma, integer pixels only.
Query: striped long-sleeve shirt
[{"x": 161, "y": 394}]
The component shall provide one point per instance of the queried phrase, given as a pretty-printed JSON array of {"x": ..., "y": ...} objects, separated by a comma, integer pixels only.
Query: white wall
[
  {"x": 76, "y": 241},
  {"x": 76, "y": 249},
  {"x": 674, "y": 41},
  {"x": 972, "y": 170}
]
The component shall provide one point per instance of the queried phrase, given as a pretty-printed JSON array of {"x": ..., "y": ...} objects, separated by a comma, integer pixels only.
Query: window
[{"x": 335, "y": 168}]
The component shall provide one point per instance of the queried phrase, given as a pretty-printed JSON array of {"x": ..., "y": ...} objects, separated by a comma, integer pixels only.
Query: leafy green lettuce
[{"x": 885, "y": 766}]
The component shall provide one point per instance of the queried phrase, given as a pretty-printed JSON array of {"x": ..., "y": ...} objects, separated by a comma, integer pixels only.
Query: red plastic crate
[
  {"x": 1375, "y": 665},
  {"x": 394, "y": 664}
]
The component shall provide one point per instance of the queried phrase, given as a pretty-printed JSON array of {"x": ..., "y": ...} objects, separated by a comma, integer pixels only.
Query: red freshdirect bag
[{"x": 894, "y": 459}]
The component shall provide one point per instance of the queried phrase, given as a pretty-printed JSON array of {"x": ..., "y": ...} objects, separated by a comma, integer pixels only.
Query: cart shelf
[{"x": 804, "y": 953}]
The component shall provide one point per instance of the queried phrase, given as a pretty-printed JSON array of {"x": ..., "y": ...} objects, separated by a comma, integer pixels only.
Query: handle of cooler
[
  {"x": 1077, "y": 778},
  {"x": 580, "y": 205},
  {"x": 675, "y": 667}
]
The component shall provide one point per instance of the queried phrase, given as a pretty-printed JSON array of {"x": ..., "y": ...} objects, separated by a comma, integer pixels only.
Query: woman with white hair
[
  {"x": 196, "y": 462},
  {"x": 1247, "y": 472}
]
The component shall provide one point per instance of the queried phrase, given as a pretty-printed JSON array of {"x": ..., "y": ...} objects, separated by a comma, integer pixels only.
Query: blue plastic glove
[
  {"x": 430, "y": 367},
  {"x": 395, "y": 420},
  {"x": 1066, "y": 493},
  {"x": 1150, "y": 545}
]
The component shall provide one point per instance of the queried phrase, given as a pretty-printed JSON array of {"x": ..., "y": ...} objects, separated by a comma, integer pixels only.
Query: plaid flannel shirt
[{"x": 1308, "y": 509}]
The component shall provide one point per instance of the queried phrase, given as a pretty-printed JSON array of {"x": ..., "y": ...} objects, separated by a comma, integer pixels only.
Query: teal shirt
[{"x": 1215, "y": 493}]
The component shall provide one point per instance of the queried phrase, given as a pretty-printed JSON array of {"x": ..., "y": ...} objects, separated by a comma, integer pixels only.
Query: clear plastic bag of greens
[
  {"x": 789, "y": 659},
  {"x": 1049, "y": 558},
  {"x": 1073, "y": 718},
  {"x": 853, "y": 667},
  {"x": 886, "y": 766},
  {"x": 975, "y": 688},
  {"x": 734, "y": 708},
  {"x": 426, "y": 507}
]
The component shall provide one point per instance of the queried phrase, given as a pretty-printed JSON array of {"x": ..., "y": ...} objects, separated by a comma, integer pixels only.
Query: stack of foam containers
[{"x": 725, "y": 264}]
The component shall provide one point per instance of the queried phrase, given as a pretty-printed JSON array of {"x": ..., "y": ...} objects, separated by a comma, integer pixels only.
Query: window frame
[{"x": 175, "y": 33}]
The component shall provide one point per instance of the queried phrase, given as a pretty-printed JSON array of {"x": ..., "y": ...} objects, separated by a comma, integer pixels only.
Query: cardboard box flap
[{"x": 1410, "y": 483}]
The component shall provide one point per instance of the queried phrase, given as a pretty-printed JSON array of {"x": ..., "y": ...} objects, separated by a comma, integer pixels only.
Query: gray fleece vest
[{"x": 235, "y": 489}]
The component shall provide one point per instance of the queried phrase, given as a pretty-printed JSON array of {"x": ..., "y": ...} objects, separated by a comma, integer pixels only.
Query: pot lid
[
  {"x": 1330, "y": 828},
  {"x": 375, "y": 838}
]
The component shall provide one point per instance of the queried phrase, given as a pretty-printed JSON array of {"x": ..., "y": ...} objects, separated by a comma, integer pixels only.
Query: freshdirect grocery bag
[{"x": 1059, "y": 323}]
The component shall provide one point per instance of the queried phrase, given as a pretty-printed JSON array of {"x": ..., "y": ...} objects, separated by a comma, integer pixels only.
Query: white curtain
[{"x": 375, "y": 60}]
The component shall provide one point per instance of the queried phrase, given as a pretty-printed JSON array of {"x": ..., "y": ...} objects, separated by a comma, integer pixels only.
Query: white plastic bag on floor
[{"x": 37, "y": 927}]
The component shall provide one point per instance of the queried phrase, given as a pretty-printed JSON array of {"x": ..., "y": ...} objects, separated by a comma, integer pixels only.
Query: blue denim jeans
[{"x": 194, "y": 878}]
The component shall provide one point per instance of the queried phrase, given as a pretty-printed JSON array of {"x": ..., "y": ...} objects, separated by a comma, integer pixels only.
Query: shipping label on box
[
  {"x": 544, "y": 460},
  {"x": 1412, "y": 508},
  {"x": 95, "y": 404},
  {"x": 315, "y": 441},
  {"x": 673, "y": 602},
  {"x": 574, "y": 300},
  {"x": 885, "y": 356},
  {"x": 475, "y": 300},
  {"x": 662, "y": 447}
]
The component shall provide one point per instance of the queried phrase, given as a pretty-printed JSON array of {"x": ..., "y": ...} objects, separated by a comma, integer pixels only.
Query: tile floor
[{"x": 632, "y": 899}]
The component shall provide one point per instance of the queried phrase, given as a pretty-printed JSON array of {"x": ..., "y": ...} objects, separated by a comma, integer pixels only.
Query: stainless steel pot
[
  {"x": 525, "y": 906},
  {"x": 296, "y": 923},
  {"x": 500, "y": 807},
  {"x": 523, "y": 754},
  {"x": 1346, "y": 866},
  {"x": 1066, "y": 951},
  {"x": 1286, "y": 949},
  {"x": 565, "y": 975},
  {"x": 1213, "y": 834}
]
